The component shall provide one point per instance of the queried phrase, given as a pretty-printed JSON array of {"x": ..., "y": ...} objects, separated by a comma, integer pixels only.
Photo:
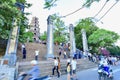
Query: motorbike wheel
[
  {"x": 100, "y": 76},
  {"x": 105, "y": 77},
  {"x": 110, "y": 78}
]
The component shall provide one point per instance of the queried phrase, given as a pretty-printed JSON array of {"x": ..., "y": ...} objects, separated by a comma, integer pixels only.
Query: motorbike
[
  {"x": 22, "y": 77},
  {"x": 105, "y": 75}
]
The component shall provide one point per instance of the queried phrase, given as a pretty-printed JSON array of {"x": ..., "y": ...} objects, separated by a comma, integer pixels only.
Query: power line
[
  {"x": 82, "y": 8},
  {"x": 75, "y": 11},
  {"x": 101, "y": 8},
  {"x": 108, "y": 10}
]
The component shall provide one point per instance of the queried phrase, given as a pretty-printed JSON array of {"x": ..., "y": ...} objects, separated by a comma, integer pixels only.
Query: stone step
[
  {"x": 47, "y": 69},
  {"x": 30, "y": 49}
]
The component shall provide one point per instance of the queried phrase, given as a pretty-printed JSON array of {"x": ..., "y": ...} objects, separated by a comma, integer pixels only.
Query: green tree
[
  {"x": 89, "y": 27},
  {"x": 49, "y": 3},
  {"x": 60, "y": 30},
  {"x": 43, "y": 37},
  {"x": 10, "y": 11},
  {"x": 114, "y": 50},
  {"x": 102, "y": 38}
]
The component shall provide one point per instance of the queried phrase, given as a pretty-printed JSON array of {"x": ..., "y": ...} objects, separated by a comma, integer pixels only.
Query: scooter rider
[{"x": 104, "y": 67}]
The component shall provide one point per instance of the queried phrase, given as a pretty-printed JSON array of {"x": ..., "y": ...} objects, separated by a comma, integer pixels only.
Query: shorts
[{"x": 74, "y": 71}]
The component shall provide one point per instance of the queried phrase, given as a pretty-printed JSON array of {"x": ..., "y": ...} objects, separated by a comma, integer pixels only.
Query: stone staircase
[
  {"x": 46, "y": 66},
  {"x": 30, "y": 49}
]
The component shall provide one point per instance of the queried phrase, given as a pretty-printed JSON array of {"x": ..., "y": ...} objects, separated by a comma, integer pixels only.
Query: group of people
[
  {"x": 70, "y": 68},
  {"x": 62, "y": 52}
]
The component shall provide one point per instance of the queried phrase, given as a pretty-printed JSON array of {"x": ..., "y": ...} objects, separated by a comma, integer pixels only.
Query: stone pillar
[
  {"x": 50, "y": 43},
  {"x": 84, "y": 40},
  {"x": 11, "y": 50},
  {"x": 72, "y": 40}
]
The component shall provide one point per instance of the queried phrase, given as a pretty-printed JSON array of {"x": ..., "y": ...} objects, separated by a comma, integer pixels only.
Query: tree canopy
[
  {"x": 86, "y": 24},
  {"x": 59, "y": 30},
  {"x": 102, "y": 38},
  {"x": 10, "y": 10},
  {"x": 96, "y": 37}
]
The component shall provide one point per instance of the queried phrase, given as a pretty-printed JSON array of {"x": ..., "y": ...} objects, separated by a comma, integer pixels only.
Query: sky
[{"x": 110, "y": 21}]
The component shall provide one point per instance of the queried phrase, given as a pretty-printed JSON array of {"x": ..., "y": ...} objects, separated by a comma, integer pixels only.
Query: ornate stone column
[
  {"x": 50, "y": 44},
  {"x": 11, "y": 50},
  {"x": 84, "y": 40},
  {"x": 72, "y": 40}
]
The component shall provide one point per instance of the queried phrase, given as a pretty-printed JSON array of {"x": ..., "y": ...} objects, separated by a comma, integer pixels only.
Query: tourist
[
  {"x": 60, "y": 51},
  {"x": 74, "y": 66},
  {"x": 24, "y": 53},
  {"x": 36, "y": 54},
  {"x": 68, "y": 70},
  {"x": 68, "y": 60},
  {"x": 65, "y": 55},
  {"x": 59, "y": 65},
  {"x": 23, "y": 46},
  {"x": 55, "y": 67}
]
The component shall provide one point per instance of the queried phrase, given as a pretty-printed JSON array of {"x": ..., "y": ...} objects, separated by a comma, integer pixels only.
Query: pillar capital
[
  {"x": 71, "y": 28},
  {"x": 83, "y": 31},
  {"x": 49, "y": 20}
]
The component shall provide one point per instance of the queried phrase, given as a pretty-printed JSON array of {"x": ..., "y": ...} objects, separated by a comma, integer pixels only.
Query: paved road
[{"x": 91, "y": 74}]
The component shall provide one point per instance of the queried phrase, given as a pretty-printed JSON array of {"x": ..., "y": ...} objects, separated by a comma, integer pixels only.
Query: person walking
[
  {"x": 24, "y": 53},
  {"x": 74, "y": 66},
  {"x": 68, "y": 70},
  {"x": 59, "y": 66},
  {"x": 65, "y": 55},
  {"x": 55, "y": 67},
  {"x": 36, "y": 54},
  {"x": 23, "y": 46},
  {"x": 60, "y": 52}
]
